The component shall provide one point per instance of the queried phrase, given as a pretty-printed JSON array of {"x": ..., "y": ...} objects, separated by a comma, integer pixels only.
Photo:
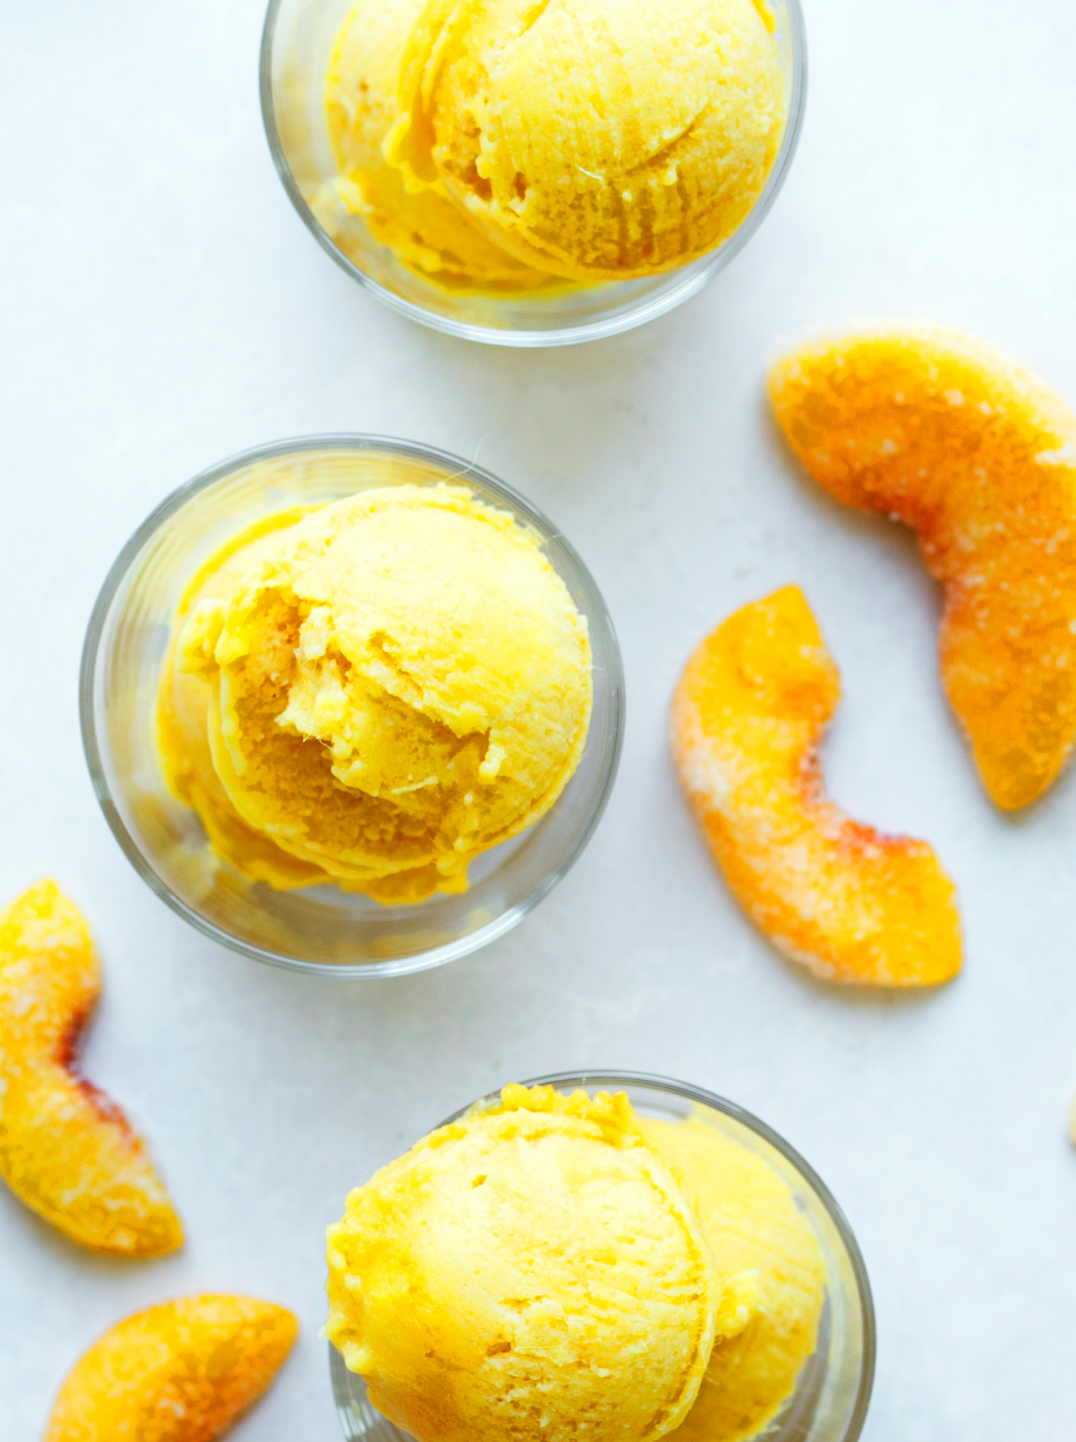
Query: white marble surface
[{"x": 161, "y": 307}]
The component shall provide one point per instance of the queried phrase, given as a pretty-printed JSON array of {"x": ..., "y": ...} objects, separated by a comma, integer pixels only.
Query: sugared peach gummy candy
[
  {"x": 65, "y": 1149},
  {"x": 850, "y": 904},
  {"x": 974, "y": 453},
  {"x": 181, "y": 1372}
]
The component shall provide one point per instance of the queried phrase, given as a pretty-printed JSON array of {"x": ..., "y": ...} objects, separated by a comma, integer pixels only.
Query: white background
[{"x": 161, "y": 306}]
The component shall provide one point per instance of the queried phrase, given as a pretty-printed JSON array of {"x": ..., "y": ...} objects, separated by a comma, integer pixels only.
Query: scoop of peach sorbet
[
  {"x": 530, "y": 1272},
  {"x": 498, "y": 143},
  {"x": 376, "y": 693}
]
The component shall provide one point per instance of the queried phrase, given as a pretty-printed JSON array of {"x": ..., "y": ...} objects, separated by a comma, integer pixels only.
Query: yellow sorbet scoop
[
  {"x": 530, "y": 1272},
  {"x": 426, "y": 230},
  {"x": 507, "y": 145},
  {"x": 593, "y": 140},
  {"x": 772, "y": 1276},
  {"x": 395, "y": 683}
]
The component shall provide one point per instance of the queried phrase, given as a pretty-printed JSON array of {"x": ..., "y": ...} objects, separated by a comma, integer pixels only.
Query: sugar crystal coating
[
  {"x": 65, "y": 1149},
  {"x": 181, "y": 1372},
  {"x": 848, "y": 903},
  {"x": 978, "y": 456}
]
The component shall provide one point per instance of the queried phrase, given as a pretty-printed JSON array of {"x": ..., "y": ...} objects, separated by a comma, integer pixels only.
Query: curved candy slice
[
  {"x": 850, "y": 904},
  {"x": 181, "y": 1372},
  {"x": 65, "y": 1149},
  {"x": 954, "y": 439}
]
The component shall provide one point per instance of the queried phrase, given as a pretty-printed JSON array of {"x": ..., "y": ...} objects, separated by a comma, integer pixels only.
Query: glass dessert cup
[
  {"x": 296, "y": 44},
  {"x": 833, "y": 1390},
  {"x": 320, "y": 928}
]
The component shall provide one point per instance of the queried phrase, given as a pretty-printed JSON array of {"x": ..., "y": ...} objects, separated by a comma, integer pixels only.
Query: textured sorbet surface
[
  {"x": 499, "y": 144},
  {"x": 376, "y": 692},
  {"x": 554, "y": 1268},
  {"x": 771, "y": 1275},
  {"x": 530, "y": 1272}
]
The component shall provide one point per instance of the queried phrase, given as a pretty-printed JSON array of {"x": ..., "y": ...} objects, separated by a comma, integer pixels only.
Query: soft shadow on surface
[
  {"x": 561, "y": 408},
  {"x": 876, "y": 998},
  {"x": 404, "y": 1012},
  {"x": 573, "y": 413}
]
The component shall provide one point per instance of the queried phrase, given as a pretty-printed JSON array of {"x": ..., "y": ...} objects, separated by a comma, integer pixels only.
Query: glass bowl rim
[
  {"x": 698, "y": 274},
  {"x": 364, "y": 444},
  {"x": 613, "y": 1079}
]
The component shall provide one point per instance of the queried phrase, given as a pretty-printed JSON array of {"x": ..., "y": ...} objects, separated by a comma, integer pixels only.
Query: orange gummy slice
[
  {"x": 181, "y": 1372},
  {"x": 850, "y": 904},
  {"x": 65, "y": 1149},
  {"x": 974, "y": 453}
]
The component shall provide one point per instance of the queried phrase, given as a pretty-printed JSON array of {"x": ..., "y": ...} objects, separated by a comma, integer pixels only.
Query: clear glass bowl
[
  {"x": 296, "y": 45},
  {"x": 833, "y": 1392},
  {"x": 320, "y": 929}
]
